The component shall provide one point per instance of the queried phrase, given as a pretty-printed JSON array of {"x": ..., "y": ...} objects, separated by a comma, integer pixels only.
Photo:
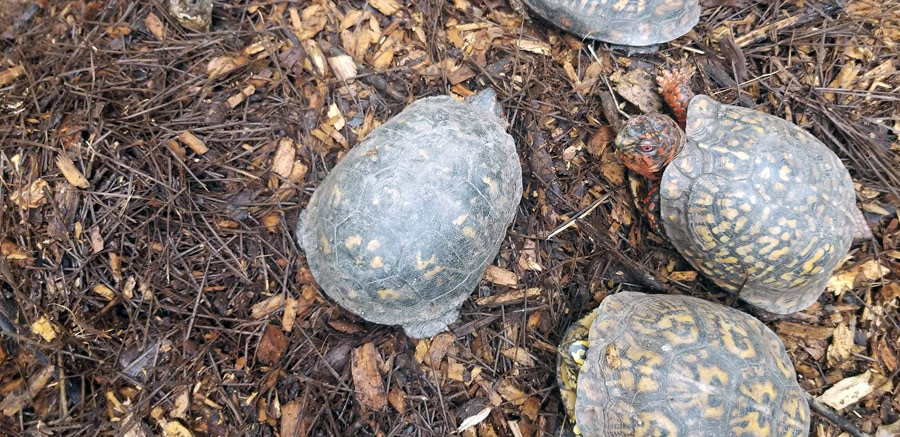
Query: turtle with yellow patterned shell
[
  {"x": 755, "y": 203},
  {"x": 401, "y": 230},
  {"x": 637, "y": 23},
  {"x": 669, "y": 365}
]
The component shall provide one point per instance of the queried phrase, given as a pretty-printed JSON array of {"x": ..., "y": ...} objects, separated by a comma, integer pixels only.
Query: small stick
[{"x": 833, "y": 417}]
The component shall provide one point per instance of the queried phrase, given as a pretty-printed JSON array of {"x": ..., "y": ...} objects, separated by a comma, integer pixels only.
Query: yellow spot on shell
[
  {"x": 352, "y": 241},
  {"x": 326, "y": 248},
  {"x": 433, "y": 272},
  {"x": 730, "y": 213},
  {"x": 388, "y": 293},
  {"x": 492, "y": 187},
  {"x": 377, "y": 263},
  {"x": 783, "y": 172},
  {"x": 373, "y": 245},
  {"x": 459, "y": 220},
  {"x": 810, "y": 264},
  {"x": 778, "y": 253},
  {"x": 422, "y": 264},
  {"x": 468, "y": 231},
  {"x": 335, "y": 196}
]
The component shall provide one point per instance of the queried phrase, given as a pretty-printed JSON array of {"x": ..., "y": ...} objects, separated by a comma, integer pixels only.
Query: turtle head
[
  {"x": 648, "y": 143},
  {"x": 486, "y": 100}
]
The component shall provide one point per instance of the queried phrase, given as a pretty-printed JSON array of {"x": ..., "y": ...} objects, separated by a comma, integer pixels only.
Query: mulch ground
[{"x": 152, "y": 177}]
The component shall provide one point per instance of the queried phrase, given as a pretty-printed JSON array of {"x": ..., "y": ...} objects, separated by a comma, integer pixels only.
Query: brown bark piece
[
  {"x": 271, "y": 346},
  {"x": 367, "y": 378}
]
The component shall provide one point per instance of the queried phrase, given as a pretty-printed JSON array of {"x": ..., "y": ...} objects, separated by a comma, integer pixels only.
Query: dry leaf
[
  {"x": 155, "y": 26},
  {"x": 312, "y": 21},
  {"x": 44, "y": 328},
  {"x": 271, "y": 346},
  {"x": 266, "y": 307},
  {"x": 890, "y": 291},
  {"x": 367, "y": 379},
  {"x": 501, "y": 276},
  {"x": 70, "y": 172},
  {"x": 31, "y": 196},
  {"x": 638, "y": 87},
  {"x": 519, "y": 355},
  {"x": 238, "y": 98},
  {"x": 850, "y": 390}
]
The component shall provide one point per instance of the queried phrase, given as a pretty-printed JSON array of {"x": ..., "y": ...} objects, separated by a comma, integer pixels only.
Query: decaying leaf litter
[{"x": 151, "y": 175}]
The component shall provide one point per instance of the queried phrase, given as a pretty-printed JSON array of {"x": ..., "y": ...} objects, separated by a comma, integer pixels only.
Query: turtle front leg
[
  {"x": 646, "y": 199},
  {"x": 674, "y": 85}
]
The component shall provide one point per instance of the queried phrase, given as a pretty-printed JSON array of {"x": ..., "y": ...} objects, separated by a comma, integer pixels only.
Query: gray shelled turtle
[{"x": 403, "y": 227}]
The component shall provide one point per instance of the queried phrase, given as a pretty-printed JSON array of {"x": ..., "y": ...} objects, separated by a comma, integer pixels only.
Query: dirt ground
[{"x": 152, "y": 176}]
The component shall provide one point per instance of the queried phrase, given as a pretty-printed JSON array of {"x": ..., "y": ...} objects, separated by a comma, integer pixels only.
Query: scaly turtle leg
[
  {"x": 571, "y": 355},
  {"x": 674, "y": 86},
  {"x": 646, "y": 199}
]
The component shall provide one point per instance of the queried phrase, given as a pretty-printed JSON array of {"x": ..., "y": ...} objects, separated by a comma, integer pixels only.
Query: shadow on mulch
[{"x": 136, "y": 300}]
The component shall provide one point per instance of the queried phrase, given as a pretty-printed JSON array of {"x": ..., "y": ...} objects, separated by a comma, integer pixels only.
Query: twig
[{"x": 833, "y": 417}]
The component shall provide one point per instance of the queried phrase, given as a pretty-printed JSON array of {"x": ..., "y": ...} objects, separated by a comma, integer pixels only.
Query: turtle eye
[{"x": 646, "y": 148}]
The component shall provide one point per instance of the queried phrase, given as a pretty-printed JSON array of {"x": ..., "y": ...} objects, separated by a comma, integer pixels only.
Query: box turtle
[
  {"x": 755, "y": 203},
  {"x": 403, "y": 227},
  {"x": 623, "y": 22},
  {"x": 669, "y": 365}
]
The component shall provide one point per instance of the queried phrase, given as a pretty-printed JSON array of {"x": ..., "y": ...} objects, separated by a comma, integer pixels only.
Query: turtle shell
[
  {"x": 403, "y": 227},
  {"x": 681, "y": 366},
  {"x": 758, "y": 205},
  {"x": 625, "y": 22}
]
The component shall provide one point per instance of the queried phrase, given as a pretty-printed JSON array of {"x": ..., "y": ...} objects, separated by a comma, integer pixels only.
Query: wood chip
[
  {"x": 850, "y": 390},
  {"x": 474, "y": 419},
  {"x": 367, "y": 379},
  {"x": 344, "y": 67},
  {"x": 155, "y": 26},
  {"x": 104, "y": 291},
  {"x": 291, "y": 419},
  {"x": 194, "y": 143},
  {"x": 533, "y": 46},
  {"x": 236, "y": 99},
  {"x": 13, "y": 403},
  {"x": 182, "y": 403},
  {"x": 266, "y": 307},
  {"x": 223, "y": 65},
  {"x": 803, "y": 331},
  {"x": 272, "y": 345},
  {"x": 519, "y": 355},
  {"x": 70, "y": 172},
  {"x": 440, "y": 344},
  {"x": 174, "y": 428},
  {"x": 386, "y": 7},
  {"x": 841, "y": 344},
  {"x": 508, "y": 298},
  {"x": 271, "y": 221},
  {"x": 501, "y": 276},
  {"x": 10, "y": 74},
  {"x": 397, "y": 399},
  {"x": 283, "y": 162},
  {"x": 96, "y": 240},
  {"x": 44, "y": 328}
]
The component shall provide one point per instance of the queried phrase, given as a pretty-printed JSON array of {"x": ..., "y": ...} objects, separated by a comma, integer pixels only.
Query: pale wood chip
[
  {"x": 283, "y": 162},
  {"x": 194, "y": 143},
  {"x": 397, "y": 398},
  {"x": 266, "y": 307},
  {"x": 10, "y": 74},
  {"x": 851, "y": 390},
  {"x": 501, "y": 276},
  {"x": 519, "y": 355},
  {"x": 508, "y": 298},
  {"x": 155, "y": 26}
]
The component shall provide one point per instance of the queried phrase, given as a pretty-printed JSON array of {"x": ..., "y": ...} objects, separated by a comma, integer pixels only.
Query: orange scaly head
[{"x": 648, "y": 143}]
